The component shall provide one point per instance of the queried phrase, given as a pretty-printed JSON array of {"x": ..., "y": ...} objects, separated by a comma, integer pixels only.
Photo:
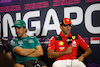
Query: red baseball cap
[{"x": 65, "y": 21}]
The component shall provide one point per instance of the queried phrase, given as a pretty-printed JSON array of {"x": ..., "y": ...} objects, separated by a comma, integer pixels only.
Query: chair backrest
[{"x": 45, "y": 58}]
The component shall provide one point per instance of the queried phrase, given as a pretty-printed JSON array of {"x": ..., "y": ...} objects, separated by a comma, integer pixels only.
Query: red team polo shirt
[{"x": 60, "y": 45}]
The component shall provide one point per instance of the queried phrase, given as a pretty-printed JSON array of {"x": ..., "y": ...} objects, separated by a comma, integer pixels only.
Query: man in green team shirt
[{"x": 26, "y": 49}]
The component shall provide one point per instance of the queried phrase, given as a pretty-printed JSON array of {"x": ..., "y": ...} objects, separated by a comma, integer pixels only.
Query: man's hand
[
  {"x": 69, "y": 50},
  {"x": 23, "y": 51},
  {"x": 37, "y": 52},
  {"x": 18, "y": 65},
  {"x": 53, "y": 54},
  {"x": 87, "y": 52},
  {"x": 81, "y": 58}
]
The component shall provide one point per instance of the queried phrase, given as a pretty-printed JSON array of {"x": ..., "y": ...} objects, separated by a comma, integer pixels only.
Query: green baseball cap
[{"x": 19, "y": 23}]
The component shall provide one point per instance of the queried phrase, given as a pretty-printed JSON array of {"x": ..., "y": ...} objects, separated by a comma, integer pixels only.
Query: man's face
[
  {"x": 65, "y": 29},
  {"x": 20, "y": 31}
]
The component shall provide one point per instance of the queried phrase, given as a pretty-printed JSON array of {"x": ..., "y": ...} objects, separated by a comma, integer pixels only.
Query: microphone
[{"x": 69, "y": 40}]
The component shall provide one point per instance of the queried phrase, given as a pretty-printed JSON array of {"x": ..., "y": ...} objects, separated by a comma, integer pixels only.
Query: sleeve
[
  {"x": 36, "y": 42},
  {"x": 82, "y": 43},
  {"x": 51, "y": 45},
  {"x": 13, "y": 45}
]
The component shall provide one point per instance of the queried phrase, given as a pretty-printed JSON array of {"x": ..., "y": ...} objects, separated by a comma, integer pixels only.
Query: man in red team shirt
[{"x": 65, "y": 53}]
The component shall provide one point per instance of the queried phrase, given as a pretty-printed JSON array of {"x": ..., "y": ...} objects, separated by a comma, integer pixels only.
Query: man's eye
[{"x": 18, "y": 27}]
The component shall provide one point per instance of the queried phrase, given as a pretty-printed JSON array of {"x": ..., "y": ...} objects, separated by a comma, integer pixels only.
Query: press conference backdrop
[{"x": 42, "y": 18}]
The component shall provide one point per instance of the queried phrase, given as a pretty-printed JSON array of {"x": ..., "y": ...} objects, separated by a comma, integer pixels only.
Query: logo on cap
[
  {"x": 19, "y": 23},
  {"x": 65, "y": 21}
]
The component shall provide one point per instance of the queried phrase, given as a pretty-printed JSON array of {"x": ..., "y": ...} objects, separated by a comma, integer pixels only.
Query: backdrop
[{"x": 42, "y": 19}]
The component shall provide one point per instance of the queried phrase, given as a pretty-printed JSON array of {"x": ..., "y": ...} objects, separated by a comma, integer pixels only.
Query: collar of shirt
[
  {"x": 62, "y": 35},
  {"x": 22, "y": 38}
]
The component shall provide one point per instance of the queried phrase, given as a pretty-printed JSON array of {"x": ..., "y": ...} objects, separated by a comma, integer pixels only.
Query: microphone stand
[
  {"x": 69, "y": 41},
  {"x": 70, "y": 56}
]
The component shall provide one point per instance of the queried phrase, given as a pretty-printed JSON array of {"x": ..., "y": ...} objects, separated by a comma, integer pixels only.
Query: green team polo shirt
[{"x": 28, "y": 43}]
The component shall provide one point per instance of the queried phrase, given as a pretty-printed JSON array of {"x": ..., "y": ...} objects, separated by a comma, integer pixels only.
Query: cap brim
[
  {"x": 13, "y": 26},
  {"x": 67, "y": 24}
]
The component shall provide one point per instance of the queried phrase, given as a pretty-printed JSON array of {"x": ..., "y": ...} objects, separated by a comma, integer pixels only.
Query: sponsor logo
[
  {"x": 30, "y": 41},
  {"x": 17, "y": 22},
  {"x": 20, "y": 43},
  {"x": 61, "y": 43},
  {"x": 73, "y": 37},
  {"x": 74, "y": 44},
  {"x": 61, "y": 48},
  {"x": 87, "y": 45}
]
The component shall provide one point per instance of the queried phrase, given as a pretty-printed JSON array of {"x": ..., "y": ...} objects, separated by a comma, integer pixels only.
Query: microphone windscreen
[{"x": 69, "y": 40}]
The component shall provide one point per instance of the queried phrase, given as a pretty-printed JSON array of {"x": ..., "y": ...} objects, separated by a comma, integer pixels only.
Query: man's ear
[
  {"x": 60, "y": 26},
  {"x": 25, "y": 29}
]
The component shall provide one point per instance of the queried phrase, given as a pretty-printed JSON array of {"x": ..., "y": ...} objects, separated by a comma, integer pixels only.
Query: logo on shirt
[
  {"x": 24, "y": 39},
  {"x": 12, "y": 43},
  {"x": 61, "y": 48},
  {"x": 61, "y": 43},
  {"x": 87, "y": 45},
  {"x": 20, "y": 43},
  {"x": 74, "y": 44},
  {"x": 73, "y": 37},
  {"x": 30, "y": 41}
]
